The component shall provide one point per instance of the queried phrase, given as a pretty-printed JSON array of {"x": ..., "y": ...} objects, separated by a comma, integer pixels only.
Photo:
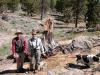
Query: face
[
  {"x": 33, "y": 35},
  {"x": 18, "y": 35},
  {"x": 78, "y": 56}
]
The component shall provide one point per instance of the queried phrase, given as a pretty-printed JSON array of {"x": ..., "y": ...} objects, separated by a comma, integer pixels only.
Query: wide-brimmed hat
[
  {"x": 18, "y": 32},
  {"x": 34, "y": 31}
]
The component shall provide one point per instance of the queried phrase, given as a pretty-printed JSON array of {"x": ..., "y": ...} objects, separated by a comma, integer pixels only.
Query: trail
[{"x": 59, "y": 61}]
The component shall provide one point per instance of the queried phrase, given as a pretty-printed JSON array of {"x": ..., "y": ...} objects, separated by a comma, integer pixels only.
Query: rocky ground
[
  {"x": 57, "y": 65},
  {"x": 60, "y": 64},
  {"x": 13, "y": 21}
]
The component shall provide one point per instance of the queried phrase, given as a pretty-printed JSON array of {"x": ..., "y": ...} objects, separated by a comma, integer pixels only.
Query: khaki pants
[
  {"x": 20, "y": 60},
  {"x": 35, "y": 60}
]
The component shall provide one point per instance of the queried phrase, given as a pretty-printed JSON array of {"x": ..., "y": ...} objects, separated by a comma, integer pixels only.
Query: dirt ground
[{"x": 58, "y": 61}]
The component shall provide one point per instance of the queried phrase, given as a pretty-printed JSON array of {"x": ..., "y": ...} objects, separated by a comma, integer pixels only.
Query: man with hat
[
  {"x": 19, "y": 48},
  {"x": 35, "y": 51}
]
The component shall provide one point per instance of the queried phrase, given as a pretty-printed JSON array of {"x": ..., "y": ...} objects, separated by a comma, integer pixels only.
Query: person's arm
[
  {"x": 13, "y": 47},
  {"x": 41, "y": 47},
  {"x": 26, "y": 46},
  {"x": 29, "y": 48}
]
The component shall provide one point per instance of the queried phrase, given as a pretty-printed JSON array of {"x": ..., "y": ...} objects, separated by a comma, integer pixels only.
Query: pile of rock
[{"x": 83, "y": 43}]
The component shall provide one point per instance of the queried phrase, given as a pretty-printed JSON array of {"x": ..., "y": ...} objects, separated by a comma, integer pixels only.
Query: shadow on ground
[
  {"x": 71, "y": 65},
  {"x": 11, "y": 71}
]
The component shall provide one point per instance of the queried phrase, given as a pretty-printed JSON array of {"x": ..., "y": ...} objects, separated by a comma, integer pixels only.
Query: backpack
[{"x": 19, "y": 45}]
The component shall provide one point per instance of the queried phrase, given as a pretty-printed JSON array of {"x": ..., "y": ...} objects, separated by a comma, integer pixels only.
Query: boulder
[
  {"x": 97, "y": 27},
  {"x": 91, "y": 29},
  {"x": 83, "y": 43}
]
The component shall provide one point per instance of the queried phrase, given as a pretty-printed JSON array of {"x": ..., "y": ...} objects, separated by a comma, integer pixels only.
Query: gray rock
[
  {"x": 97, "y": 27},
  {"x": 91, "y": 29},
  {"x": 97, "y": 73},
  {"x": 83, "y": 43}
]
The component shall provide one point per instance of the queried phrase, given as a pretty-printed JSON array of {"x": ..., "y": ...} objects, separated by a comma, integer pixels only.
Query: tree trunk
[
  {"x": 42, "y": 9},
  {"x": 76, "y": 21},
  {"x": 77, "y": 13}
]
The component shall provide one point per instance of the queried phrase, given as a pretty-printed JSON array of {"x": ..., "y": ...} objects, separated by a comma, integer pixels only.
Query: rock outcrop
[{"x": 83, "y": 43}]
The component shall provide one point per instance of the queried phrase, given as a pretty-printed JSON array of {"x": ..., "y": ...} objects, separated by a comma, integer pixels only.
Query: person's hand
[
  {"x": 26, "y": 52},
  {"x": 29, "y": 57},
  {"x": 16, "y": 55},
  {"x": 44, "y": 56}
]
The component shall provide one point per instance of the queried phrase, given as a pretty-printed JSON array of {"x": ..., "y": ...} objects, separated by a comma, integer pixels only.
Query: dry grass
[{"x": 63, "y": 36}]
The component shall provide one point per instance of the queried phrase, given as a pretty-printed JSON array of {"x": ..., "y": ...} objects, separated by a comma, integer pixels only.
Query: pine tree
[
  {"x": 13, "y": 5},
  {"x": 27, "y": 6},
  {"x": 92, "y": 13},
  {"x": 3, "y": 6},
  {"x": 51, "y": 4},
  {"x": 31, "y": 6},
  {"x": 72, "y": 10},
  {"x": 78, "y": 9},
  {"x": 59, "y": 5}
]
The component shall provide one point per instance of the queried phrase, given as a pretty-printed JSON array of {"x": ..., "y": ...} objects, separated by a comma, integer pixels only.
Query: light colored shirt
[{"x": 37, "y": 44}]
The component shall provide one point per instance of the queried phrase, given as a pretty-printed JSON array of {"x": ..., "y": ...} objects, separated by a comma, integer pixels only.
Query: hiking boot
[
  {"x": 31, "y": 69},
  {"x": 20, "y": 70},
  {"x": 35, "y": 71}
]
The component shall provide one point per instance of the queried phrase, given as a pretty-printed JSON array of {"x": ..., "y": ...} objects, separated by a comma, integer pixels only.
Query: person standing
[
  {"x": 35, "y": 51},
  {"x": 19, "y": 49}
]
